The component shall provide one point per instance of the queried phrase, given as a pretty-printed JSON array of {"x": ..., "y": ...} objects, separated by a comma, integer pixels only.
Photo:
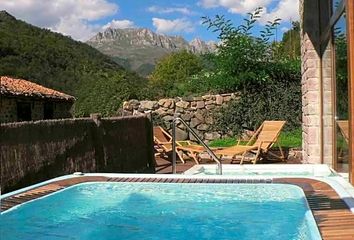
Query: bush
[
  {"x": 276, "y": 101},
  {"x": 269, "y": 87},
  {"x": 173, "y": 71}
]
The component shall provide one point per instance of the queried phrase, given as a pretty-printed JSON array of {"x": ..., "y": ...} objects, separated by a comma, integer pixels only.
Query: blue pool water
[{"x": 104, "y": 211}]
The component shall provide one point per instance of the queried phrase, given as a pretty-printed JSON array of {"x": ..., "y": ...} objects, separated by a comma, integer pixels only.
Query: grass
[
  {"x": 290, "y": 139},
  {"x": 225, "y": 142}
]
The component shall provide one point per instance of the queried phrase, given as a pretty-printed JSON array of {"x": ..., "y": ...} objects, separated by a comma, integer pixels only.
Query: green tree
[
  {"x": 269, "y": 86},
  {"x": 173, "y": 71},
  {"x": 290, "y": 47}
]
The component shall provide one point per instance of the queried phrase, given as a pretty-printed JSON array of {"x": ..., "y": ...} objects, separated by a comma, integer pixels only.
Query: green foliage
[
  {"x": 289, "y": 47},
  {"x": 58, "y": 62},
  {"x": 172, "y": 72},
  {"x": 340, "y": 42},
  {"x": 291, "y": 139},
  {"x": 277, "y": 100},
  {"x": 103, "y": 98},
  {"x": 225, "y": 142},
  {"x": 242, "y": 59},
  {"x": 269, "y": 86}
]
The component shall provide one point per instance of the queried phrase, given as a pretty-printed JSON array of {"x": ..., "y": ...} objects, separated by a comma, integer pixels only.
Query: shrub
[
  {"x": 269, "y": 87},
  {"x": 173, "y": 71}
]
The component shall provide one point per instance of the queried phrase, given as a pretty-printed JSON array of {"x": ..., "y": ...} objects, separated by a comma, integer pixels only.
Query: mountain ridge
[{"x": 141, "y": 48}]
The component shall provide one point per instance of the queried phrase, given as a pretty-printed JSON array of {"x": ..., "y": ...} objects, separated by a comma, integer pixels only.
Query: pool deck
[
  {"x": 333, "y": 217},
  {"x": 165, "y": 166}
]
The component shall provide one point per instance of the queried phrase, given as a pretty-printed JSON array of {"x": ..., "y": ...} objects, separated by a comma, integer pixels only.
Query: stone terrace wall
[
  {"x": 196, "y": 111},
  {"x": 36, "y": 151}
]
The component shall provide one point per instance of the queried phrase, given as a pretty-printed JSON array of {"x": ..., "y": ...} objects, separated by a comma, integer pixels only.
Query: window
[
  {"x": 341, "y": 96},
  {"x": 342, "y": 26},
  {"x": 24, "y": 111},
  {"x": 48, "y": 110}
]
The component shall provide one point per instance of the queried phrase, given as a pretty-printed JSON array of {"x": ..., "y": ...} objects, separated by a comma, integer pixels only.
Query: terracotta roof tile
[{"x": 21, "y": 87}]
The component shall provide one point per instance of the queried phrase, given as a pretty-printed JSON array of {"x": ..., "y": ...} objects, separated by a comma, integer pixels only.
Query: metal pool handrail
[{"x": 206, "y": 147}]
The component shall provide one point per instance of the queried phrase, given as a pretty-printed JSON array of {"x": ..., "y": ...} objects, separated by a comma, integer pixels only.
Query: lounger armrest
[{"x": 186, "y": 142}]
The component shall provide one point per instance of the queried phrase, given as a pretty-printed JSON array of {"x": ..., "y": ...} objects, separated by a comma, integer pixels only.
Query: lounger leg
[
  {"x": 180, "y": 157},
  {"x": 243, "y": 157},
  {"x": 281, "y": 152},
  {"x": 195, "y": 157},
  {"x": 281, "y": 157},
  {"x": 257, "y": 156}
]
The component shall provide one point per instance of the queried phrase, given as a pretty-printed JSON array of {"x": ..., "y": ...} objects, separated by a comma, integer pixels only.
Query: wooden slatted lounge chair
[
  {"x": 343, "y": 126},
  {"x": 163, "y": 142},
  {"x": 344, "y": 129},
  {"x": 260, "y": 144}
]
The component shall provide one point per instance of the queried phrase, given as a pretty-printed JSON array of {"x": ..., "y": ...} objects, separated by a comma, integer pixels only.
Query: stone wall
[
  {"x": 8, "y": 109},
  {"x": 196, "y": 111},
  {"x": 32, "y": 152}
]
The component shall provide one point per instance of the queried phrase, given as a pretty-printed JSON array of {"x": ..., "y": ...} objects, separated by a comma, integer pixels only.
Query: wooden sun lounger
[
  {"x": 260, "y": 144},
  {"x": 344, "y": 129},
  {"x": 163, "y": 142}
]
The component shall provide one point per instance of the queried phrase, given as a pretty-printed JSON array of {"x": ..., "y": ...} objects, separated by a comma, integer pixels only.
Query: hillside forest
[{"x": 265, "y": 72}]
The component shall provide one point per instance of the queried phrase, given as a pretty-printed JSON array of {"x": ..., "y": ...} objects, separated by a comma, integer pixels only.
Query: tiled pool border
[{"x": 333, "y": 217}]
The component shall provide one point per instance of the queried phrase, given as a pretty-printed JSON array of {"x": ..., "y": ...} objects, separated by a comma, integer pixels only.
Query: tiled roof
[{"x": 21, "y": 87}]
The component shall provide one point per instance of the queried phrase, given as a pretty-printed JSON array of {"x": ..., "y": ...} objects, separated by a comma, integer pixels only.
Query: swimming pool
[
  {"x": 164, "y": 211},
  {"x": 274, "y": 170}
]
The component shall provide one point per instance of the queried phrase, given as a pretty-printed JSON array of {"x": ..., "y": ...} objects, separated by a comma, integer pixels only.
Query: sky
[{"x": 82, "y": 19}]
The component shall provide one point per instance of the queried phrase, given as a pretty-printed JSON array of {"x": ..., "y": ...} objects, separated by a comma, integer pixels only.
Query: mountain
[
  {"x": 56, "y": 61},
  {"x": 139, "y": 49}
]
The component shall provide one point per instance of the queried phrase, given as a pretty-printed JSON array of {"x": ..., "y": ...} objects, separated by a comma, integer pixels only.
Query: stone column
[{"x": 316, "y": 83}]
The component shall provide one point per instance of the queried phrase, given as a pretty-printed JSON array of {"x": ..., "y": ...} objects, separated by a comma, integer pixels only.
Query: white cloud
[
  {"x": 209, "y": 3},
  {"x": 235, "y": 6},
  {"x": 70, "y": 17},
  {"x": 285, "y": 29},
  {"x": 284, "y": 9},
  {"x": 119, "y": 24},
  {"x": 166, "y": 10},
  {"x": 172, "y": 26}
]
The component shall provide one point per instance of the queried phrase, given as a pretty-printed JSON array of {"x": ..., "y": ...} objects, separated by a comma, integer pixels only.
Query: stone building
[
  {"x": 22, "y": 100},
  {"x": 327, "y": 39}
]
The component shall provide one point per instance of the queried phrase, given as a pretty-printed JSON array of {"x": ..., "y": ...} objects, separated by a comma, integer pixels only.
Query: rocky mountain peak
[
  {"x": 143, "y": 37},
  {"x": 139, "y": 49}
]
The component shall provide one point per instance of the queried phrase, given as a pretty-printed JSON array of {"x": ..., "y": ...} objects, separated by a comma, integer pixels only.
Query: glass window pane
[
  {"x": 341, "y": 95},
  {"x": 335, "y": 4}
]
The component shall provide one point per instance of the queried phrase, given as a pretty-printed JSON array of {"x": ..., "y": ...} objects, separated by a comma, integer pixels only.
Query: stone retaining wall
[{"x": 196, "y": 111}]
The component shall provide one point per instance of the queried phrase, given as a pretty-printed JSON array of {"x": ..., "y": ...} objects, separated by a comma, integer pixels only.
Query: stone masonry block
[{"x": 313, "y": 135}]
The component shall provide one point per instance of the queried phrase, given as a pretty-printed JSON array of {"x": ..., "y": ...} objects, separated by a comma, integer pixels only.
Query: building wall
[
  {"x": 62, "y": 110},
  {"x": 316, "y": 68},
  {"x": 328, "y": 103},
  {"x": 8, "y": 110},
  {"x": 37, "y": 110},
  {"x": 32, "y": 152}
]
